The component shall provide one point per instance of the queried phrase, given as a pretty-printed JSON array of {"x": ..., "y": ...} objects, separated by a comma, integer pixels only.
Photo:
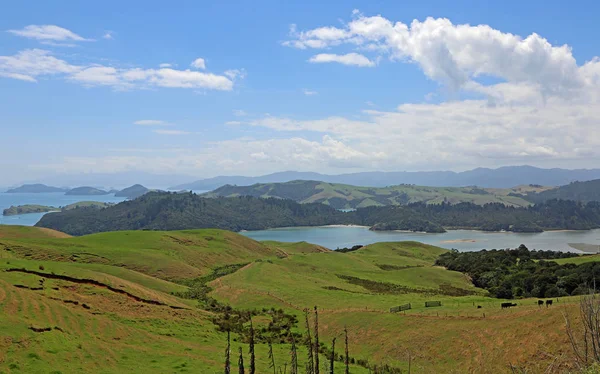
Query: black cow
[
  {"x": 540, "y": 302},
  {"x": 478, "y": 306},
  {"x": 548, "y": 302}
]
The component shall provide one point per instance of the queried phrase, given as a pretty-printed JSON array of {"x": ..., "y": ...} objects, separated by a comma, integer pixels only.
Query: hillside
[
  {"x": 576, "y": 191},
  {"x": 132, "y": 192},
  {"x": 178, "y": 211},
  {"x": 86, "y": 191},
  {"x": 503, "y": 177},
  {"x": 342, "y": 196},
  {"x": 128, "y": 302},
  {"x": 35, "y": 188}
]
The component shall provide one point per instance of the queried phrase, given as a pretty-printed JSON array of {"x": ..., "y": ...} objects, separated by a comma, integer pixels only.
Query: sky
[{"x": 200, "y": 89}]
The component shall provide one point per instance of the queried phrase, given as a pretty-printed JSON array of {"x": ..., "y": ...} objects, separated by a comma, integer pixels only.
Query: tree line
[{"x": 516, "y": 273}]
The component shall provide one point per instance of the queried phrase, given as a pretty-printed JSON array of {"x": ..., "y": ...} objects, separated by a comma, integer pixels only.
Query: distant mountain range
[{"x": 503, "y": 177}]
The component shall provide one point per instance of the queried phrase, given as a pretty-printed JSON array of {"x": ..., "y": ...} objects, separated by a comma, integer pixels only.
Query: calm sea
[
  {"x": 464, "y": 240},
  {"x": 56, "y": 199}
]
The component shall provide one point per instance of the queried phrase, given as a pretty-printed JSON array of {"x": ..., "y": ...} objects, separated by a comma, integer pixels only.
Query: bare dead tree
[
  {"x": 241, "y": 362},
  {"x": 586, "y": 342},
  {"x": 346, "y": 356},
  {"x": 272, "y": 359},
  {"x": 228, "y": 354},
  {"x": 294, "y": 354},
  {"x": 310, "y": 366},
  {"x": 332, "y": 366},
  {"x": 316, "y": 340},
  {"x": 251, "y": 349}
]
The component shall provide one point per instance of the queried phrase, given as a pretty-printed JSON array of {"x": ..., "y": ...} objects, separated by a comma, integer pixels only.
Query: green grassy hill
[
  {"x": 343, "y": 196},
  {"x": 578, "y": 191},
  {"x": 151, "y": 301}
]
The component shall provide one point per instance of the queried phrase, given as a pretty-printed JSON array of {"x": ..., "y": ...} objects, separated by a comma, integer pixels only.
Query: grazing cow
[
  {"x": 478, "y": 306},
  {"x": 548, "y": 302},
  {"x": 540, "y": 303},
  {"x": 505, "y": 305}
]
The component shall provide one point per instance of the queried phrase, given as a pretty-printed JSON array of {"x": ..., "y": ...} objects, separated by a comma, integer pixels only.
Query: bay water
[{"x": 56, "y": 199}]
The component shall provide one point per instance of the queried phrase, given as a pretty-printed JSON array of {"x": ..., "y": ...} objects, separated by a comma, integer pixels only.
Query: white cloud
[
  {"x": 151, "y": 122},
  {"x": 239, "y": 113},
  {"x": 355, "y": 59},
  {"x": 234, "y": 74},
  {"x": 108, "y": 35},
  {"x": 48, "y": 33},
  {"x": 199, "y": 63},
  {"x": 309, "y": 92},
  {"x": 171, "y": 132},
  {"x": 454, "y": 55},
  {"x": 29, "y": 64},
  {"x": 233, "y": 123},
  {"x": 99, "y": 75},
  {"x": 165, "y": 65}
]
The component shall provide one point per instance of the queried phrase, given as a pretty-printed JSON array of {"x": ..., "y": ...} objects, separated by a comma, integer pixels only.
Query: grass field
[
  {"x": 104, "y": 303},
  {"x": 348, "y": 196}
]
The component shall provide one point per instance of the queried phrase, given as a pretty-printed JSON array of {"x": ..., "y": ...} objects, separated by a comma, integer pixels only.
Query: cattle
[
  {"x": 507, "y": 305},
  {"x": 540, "y": 303},
  {"x": 548, "y": 302},
  {"x": 478, "y": 306}
]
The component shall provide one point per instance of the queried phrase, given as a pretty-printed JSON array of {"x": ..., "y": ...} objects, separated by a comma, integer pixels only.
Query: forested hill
[
  {"x": 176, "y": 211},
  {"x": 173, "y": 211},
  {"x": 344, "y": 196},
  {"x": 577, "y": 191}
]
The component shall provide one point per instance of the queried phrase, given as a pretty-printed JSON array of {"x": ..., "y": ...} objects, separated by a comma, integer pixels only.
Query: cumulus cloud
[
  {"x": 355, "y": 59},
  {"x": 108, "y": 35},
  {"x": 239, "y": 113},
  {"x": 454, "y": 55},
  {"x": 199, "y": 63},
  {"x": 309, "y": 92},
  {"x": 165, "y": 65},
  {"x": 30, "y": 64},
  {"x": 48, "y": 33}
]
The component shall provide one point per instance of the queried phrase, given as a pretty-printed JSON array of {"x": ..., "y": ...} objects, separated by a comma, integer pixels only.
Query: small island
[
  {"x": 132, "y": 192},
  {"x": 86, "y": 191},
  {"x": 28, "y": 208},
  {"x": 35, "y": 188},
  {"x": 31, "y": 208}
]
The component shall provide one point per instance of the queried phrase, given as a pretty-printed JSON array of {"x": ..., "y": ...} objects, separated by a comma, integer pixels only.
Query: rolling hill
[
  {"x": 576, "y": 191},
  {"x": 178, "y": 211},
  {"x": 159, "y": 302},
  {"x": 342, "y": 196}
]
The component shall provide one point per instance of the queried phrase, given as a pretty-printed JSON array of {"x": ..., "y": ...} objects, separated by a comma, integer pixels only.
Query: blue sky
[{"x": 112, "y": 87}]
